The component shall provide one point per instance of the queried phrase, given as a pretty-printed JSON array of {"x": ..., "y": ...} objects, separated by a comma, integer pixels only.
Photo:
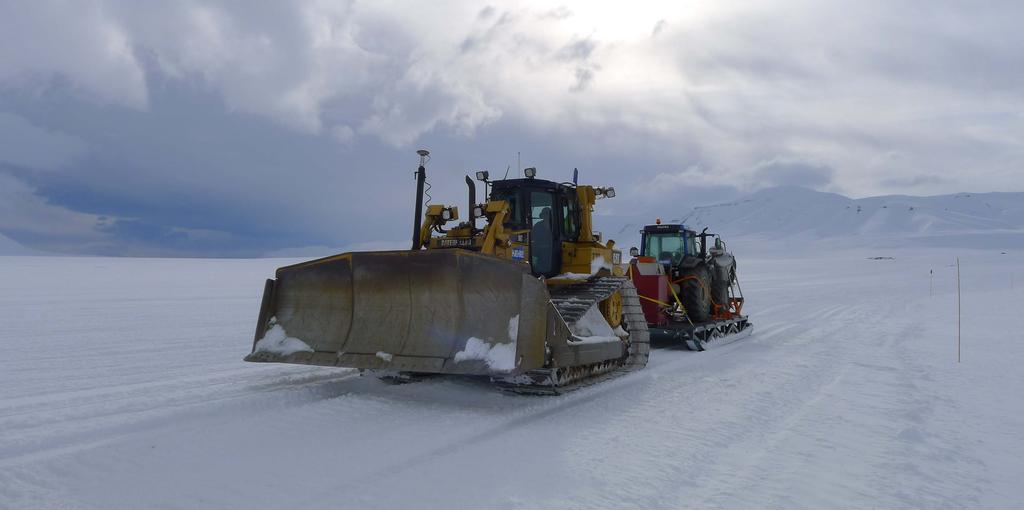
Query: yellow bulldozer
[{"x": 533, "y": 299}]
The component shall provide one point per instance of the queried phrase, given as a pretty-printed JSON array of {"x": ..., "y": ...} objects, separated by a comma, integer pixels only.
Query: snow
[
  {"x": 513, "y": 328},
  {"x": 385, "y": 356},
  {"x": 597, "y": 264},
  {"x": 121, "y": 387},
  {"x": 593, "y": 328},
  {"x": 277, "y": 341},
  {"x": 574, "y": 276},
  {"x": 499, "y": 356}
]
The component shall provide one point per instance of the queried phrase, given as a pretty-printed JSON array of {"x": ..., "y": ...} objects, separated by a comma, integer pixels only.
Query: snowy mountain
[
  {"x": 791, "y": 214},
  {"x": 9, "y": 246}
]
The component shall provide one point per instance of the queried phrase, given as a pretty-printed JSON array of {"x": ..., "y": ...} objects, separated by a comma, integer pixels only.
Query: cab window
[
  {"x": 570, "y": 217},
  {"x": 542, "y": 233},
  {"x": 515, "y": 206},
  {"x": 666, "y": 247}
]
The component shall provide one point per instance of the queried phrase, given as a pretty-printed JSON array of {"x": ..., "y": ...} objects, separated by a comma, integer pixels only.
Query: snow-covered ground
[{"x": 122, "y": 386}]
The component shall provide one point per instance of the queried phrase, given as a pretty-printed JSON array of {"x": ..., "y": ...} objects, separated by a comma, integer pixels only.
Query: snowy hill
[
  {"x": 9, "y": 246},
  {"x": 792, "y": 214}
]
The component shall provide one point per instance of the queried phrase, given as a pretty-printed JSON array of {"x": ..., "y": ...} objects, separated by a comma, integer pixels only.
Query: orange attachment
[
  {"x": 734, "y": 309},
  {"x": 718, "y": 311},
  {"x": 646, "y": 260},
  {"x": 701, "y": 282}
]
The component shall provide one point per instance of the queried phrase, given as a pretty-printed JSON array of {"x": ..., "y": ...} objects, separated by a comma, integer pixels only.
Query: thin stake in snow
[{"x": 958, "y": 309}]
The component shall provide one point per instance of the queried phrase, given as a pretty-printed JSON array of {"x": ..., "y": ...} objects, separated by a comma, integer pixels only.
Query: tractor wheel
[{"x": 694, "y": 293}]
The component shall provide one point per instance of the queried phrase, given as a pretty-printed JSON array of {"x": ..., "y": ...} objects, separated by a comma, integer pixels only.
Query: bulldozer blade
[{"x": 433, "y": 311}]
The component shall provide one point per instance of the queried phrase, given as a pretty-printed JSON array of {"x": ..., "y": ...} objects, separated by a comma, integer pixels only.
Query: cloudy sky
[{"x": 241, "y": 128}]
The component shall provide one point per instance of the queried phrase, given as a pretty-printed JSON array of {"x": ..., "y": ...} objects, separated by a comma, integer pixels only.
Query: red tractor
[{"x": 688, "y": 290}]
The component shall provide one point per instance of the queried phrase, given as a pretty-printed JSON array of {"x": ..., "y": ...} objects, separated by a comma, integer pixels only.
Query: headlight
[
  {"x": 482, "y": 175},
  {"x": 530, "y": 172},
  {"x": 478, "y": 212},
  {"x": 610, "y": 192},
  {"x": 634, "y": 252},
  {"x": 446, "y": 214}
]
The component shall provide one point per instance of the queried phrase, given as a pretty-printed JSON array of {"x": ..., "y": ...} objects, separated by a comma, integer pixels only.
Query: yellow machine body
[{"x": 466, "y": 301}]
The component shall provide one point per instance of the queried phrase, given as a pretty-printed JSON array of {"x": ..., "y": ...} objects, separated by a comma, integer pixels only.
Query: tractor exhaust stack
[
  {"x": 472, "y": 202},
  {"x": 421, "y": 178}
]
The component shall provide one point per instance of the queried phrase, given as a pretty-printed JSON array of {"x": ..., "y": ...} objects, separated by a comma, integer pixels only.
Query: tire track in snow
[
  {"x": 49, "y": 435},
  {"x": 666, "y": 364},
  {"x": 706, "y": 429}
]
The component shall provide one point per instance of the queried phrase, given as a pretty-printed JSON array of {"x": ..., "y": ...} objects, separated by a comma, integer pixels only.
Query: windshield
[{"x": 668, "y": 247}]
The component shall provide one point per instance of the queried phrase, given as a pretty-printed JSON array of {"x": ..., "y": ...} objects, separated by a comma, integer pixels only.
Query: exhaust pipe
[
  {"x": 421, "y": 177},
  {"x": 472, "y": 202}
]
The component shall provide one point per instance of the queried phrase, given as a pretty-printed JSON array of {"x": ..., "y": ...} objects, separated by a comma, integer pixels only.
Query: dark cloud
[
  {"x": 580, "y": 51},
  {"x": 139, "y": 230},
  {"x": 792, "y": 173},
  {"x": 24, "y": 144},
  {"x": 577, "y": 50},
  {"x": 659, "y": 27},
  {"x": 558, "y": 13},
  {"x": 913, "y": 181},
  {"x": 583, "y": 78}
]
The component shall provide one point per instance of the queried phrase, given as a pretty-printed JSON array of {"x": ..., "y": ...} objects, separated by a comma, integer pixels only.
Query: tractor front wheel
[{"x": 695, "y": 293}]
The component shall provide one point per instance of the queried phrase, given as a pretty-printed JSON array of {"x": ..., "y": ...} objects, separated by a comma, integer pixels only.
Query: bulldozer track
[{"x": 572, "y": 302}]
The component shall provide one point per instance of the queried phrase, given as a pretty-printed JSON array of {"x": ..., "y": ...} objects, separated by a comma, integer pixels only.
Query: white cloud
[{"x": 77, "y": 41}]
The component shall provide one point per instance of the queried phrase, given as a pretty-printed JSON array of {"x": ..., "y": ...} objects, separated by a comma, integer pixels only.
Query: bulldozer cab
[{"x": 546, "y": 213}]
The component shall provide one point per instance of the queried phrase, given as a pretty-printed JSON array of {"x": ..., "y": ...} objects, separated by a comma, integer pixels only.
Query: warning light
[{"x": 657, "y": 221}]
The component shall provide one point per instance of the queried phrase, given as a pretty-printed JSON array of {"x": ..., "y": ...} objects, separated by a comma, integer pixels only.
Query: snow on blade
[
  {"x": 573, "y": 276},
  {"x": 385, "y": 356},
  {"x": 593, "y": 328},
  {"x": 500, "y": 356},
  {"x": 278, "y": 342},
  {"x": 513, "y": 328}
]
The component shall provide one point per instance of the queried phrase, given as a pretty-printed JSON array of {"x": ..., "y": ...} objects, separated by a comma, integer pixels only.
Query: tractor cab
[
  {"x": 542, "y": 214},
  {"x": 672, "y": 245}
]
